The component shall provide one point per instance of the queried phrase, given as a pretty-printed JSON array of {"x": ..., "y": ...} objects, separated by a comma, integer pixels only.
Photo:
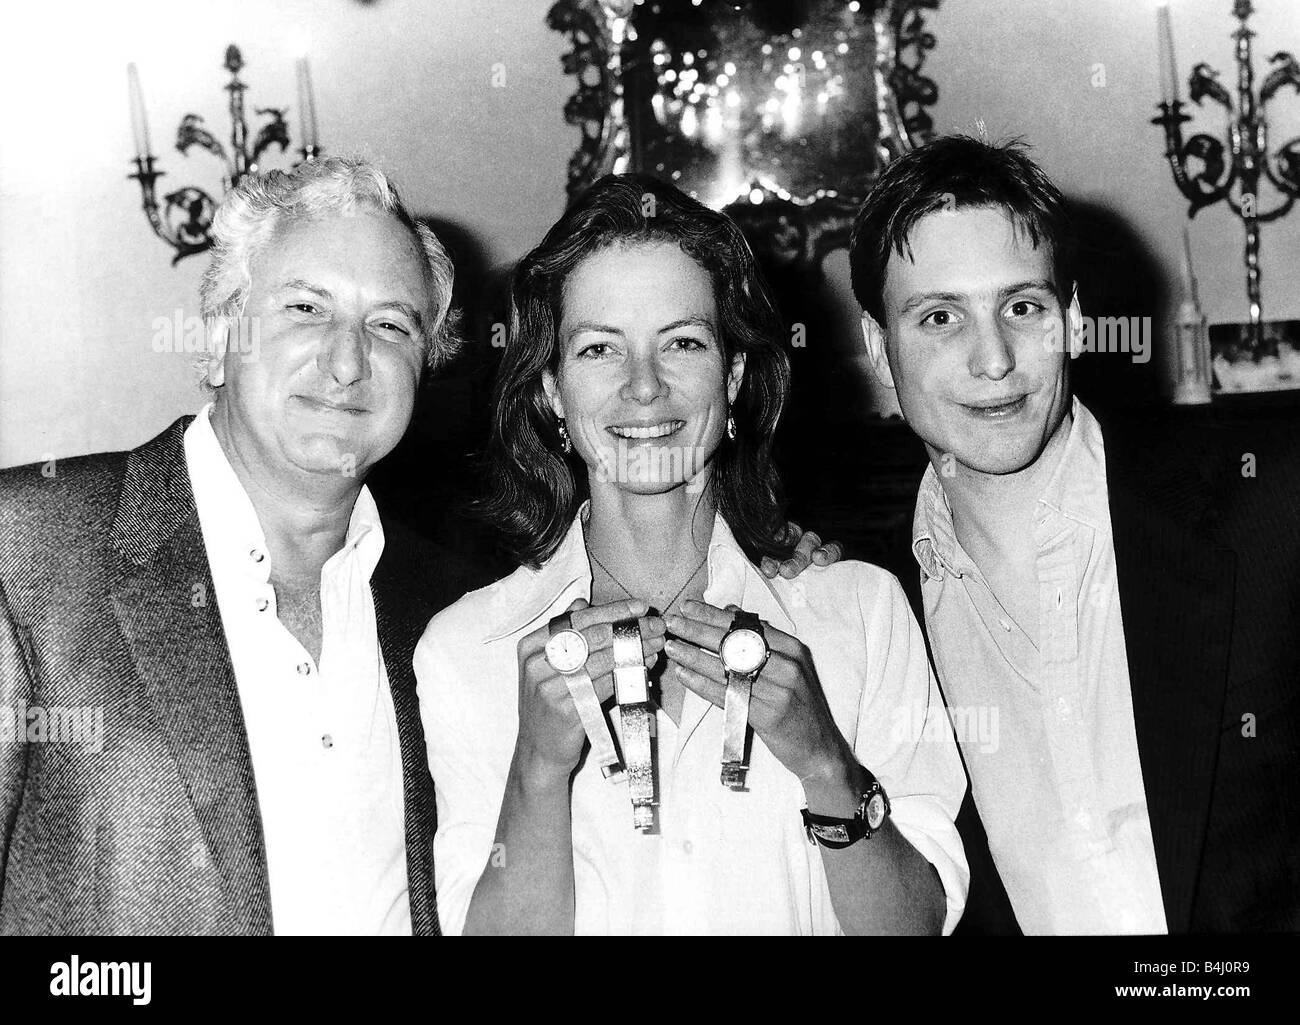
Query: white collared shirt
[
  {"x": 723, "y": 862},
  {"x": 1058, "y": 784},
  {"x": 323, "y": 738}
]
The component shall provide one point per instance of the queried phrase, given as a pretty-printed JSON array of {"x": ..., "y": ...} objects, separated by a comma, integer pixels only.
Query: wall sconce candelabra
[
  {"x": 184, "y": 220},
  {"x": 1234, "y": 181}
]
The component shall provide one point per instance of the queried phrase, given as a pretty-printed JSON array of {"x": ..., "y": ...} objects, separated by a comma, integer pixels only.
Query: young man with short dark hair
[{"x": 1127, "y": 601}]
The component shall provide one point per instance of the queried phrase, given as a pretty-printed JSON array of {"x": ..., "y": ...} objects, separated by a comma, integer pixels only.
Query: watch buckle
[{"x": 733, "y": 775}]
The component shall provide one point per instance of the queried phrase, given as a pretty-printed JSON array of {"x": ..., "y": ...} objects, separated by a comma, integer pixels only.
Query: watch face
[
  {"x": 876, "y": 811},
  {"x": 567, "y": 651},
  {"x": 743, "y": 651}
]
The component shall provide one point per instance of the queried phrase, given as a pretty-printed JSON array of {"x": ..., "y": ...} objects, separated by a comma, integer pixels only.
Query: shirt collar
[
  {"x": 1077, "y": 488},
  {"x": 934, "y": 542},
  {"x": 566, "y": 575},
  {"x": 229, "y": 521}
]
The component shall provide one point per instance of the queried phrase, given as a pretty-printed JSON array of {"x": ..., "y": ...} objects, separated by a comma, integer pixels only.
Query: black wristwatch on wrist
[{"x": 836, "y": 834}]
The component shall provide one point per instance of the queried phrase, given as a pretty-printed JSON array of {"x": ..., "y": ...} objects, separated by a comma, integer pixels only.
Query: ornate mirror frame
[{"x": 785, "y": 230}]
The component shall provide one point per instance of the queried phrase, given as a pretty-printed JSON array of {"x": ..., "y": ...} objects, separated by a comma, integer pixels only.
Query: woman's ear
[
  {"x": 734, "y": 378},
  {"x": 552, "y": 389}
]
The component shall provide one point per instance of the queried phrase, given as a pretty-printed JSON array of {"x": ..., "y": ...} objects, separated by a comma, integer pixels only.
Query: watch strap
[
  {"x": 585, "y": 699},
  {"x": 836, "y": 833},
  {"x": 735, "y": 709},
  {"x": 632, "y": 691},
  {"x": 832, "y": 832},
  {"x": 735, "y": 723},
  {"x": 638, "y": 758}
]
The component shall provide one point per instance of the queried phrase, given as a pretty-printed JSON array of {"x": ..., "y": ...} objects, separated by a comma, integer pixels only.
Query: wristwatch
[
  {"x": 566, "y": 651},
  {"x": 837, "y": 834},
  {"x": 566, "y": 648},
  {"x": 744, "y": 652}
]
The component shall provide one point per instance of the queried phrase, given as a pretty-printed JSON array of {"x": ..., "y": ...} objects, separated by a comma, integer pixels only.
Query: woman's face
[{"x": 642, "y": 382}]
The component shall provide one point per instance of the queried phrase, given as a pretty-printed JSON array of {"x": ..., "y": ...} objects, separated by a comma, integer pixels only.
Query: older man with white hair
[{"x": 227, "y": 595}]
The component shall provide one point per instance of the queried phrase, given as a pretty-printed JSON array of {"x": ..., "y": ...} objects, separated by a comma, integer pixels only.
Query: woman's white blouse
[{"x": 722, "y": 861}]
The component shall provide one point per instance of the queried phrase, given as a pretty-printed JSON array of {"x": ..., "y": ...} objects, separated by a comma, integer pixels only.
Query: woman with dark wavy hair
[
  {"x": 535, "y": 494},
  {"x": 589, "y": 717}
]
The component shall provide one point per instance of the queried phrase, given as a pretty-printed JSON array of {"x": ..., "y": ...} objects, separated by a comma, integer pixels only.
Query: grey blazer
[{"x": 106, "y": 601}]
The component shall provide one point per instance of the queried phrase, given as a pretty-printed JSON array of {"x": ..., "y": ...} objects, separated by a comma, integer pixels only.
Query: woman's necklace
[{"x": 623, "y": 588}]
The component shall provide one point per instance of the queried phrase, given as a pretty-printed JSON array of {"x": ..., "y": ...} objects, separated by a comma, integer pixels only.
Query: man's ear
[
  {"x": 734, "y": 378},
  {"x": 1074, "y": 324},
  {"x": 218, "y": 331},
  {"x": 877, "y": 350},
  {"x": 552, "y": 389}
]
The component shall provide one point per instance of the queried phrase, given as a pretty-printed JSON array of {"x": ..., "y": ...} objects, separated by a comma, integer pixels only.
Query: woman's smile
[{"x": 646, "y": 431}]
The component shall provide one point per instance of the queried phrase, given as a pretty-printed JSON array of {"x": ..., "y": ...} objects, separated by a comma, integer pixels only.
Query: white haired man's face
[{"x": 341, "y": 302}]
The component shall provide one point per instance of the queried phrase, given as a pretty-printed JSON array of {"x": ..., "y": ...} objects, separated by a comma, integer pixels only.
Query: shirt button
[
  {"x": 256, "y": 555},
  {"x": 304, "y": 668},
  {"x": 263, "y": 604},
  {"x": 1005, "y": 624},
  {"x": 327, "y": 741}
]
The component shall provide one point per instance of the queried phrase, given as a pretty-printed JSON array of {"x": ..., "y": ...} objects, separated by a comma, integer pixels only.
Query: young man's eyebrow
[
  {"x": 1033, "y": 285},
  {"x": 921, "y": 298},
  {"x": 1029, "y": 285}
]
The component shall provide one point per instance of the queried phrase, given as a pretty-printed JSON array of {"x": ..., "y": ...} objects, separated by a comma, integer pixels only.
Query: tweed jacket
[{"x": 107, "y": 603}]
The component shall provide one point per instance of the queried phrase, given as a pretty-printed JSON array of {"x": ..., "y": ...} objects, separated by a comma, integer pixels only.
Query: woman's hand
[
  {"x": 787, "y": 707},
  {"x": 551, "y": 736}
]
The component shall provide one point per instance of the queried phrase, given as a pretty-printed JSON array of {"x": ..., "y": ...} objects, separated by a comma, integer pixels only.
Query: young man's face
[{"x": 976, "y": 340}]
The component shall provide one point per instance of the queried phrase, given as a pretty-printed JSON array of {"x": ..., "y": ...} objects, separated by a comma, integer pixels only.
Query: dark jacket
[
  {"x": 106, "y": 600},
  {"x": 1206, "y": 523}
]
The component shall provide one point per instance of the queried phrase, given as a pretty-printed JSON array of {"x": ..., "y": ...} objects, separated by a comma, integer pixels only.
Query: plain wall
[{"x": 82, "y": 279}]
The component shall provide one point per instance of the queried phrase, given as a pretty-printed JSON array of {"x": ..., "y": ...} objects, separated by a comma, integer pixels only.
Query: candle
[
  {"x": 1189, "y": 275},
  {"x": 1168, "y": 69},
  {"x": 139, "y": 120},
  {"x": 306, "y": 105}
]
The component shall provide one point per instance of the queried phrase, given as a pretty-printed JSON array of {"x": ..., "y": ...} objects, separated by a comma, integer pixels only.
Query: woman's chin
[{"x": 647, "y": 485}]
